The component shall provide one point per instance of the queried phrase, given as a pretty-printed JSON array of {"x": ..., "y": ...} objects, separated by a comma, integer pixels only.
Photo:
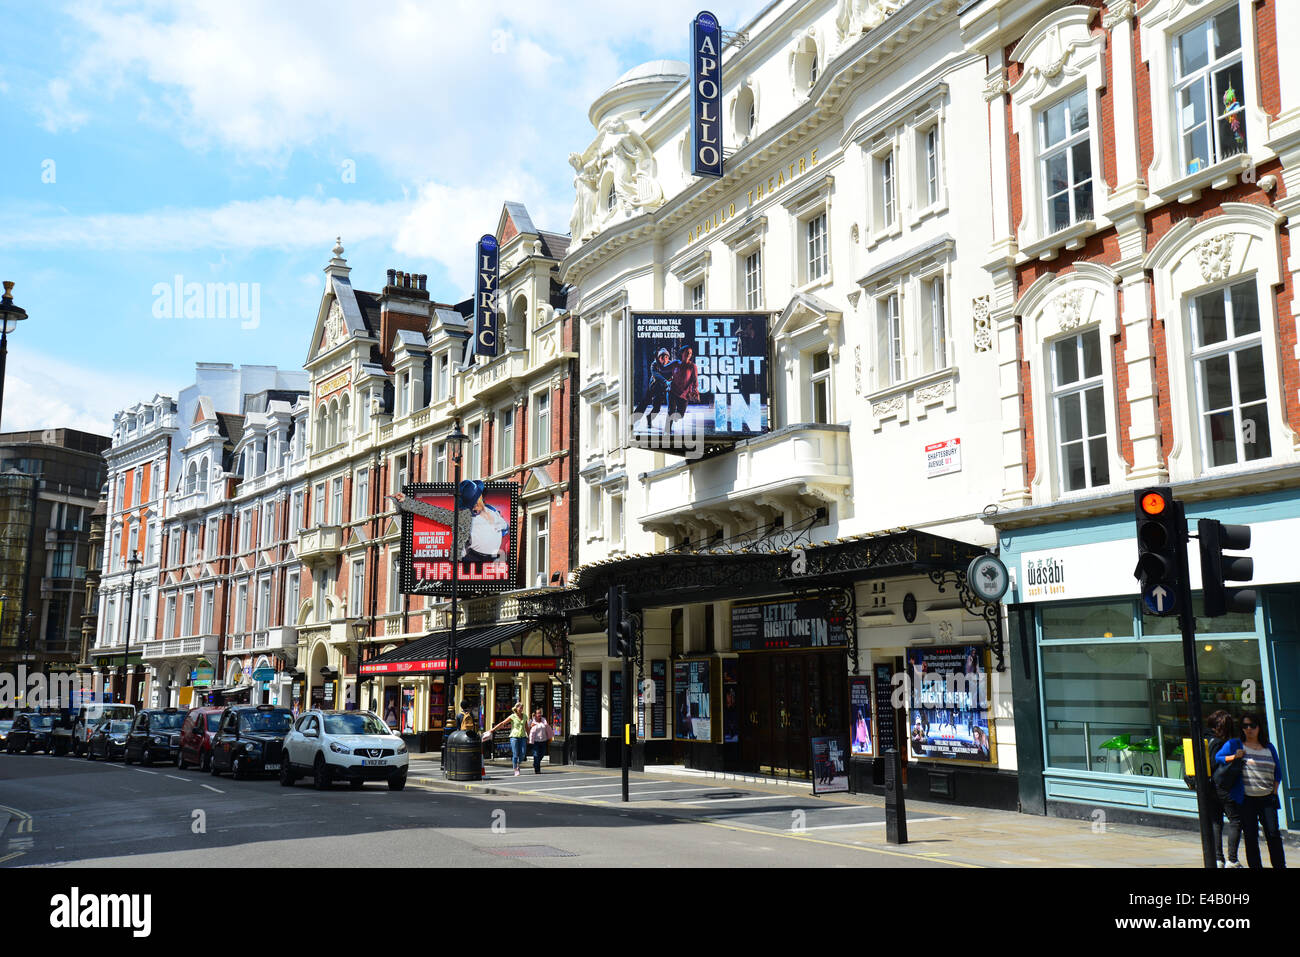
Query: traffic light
[
  {"x": 1161, "y": 537},
  {"x": 620, "y": 633},
  {"x": 1216, "y": 567}
]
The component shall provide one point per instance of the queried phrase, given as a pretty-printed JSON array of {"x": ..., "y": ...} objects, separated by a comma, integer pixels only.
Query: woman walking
[
  {"x": 539, "y": 733},
  {"x": 1220, "y": 731},
  {"x": 1255, "y": 789},
  {"x": 518, "y": 734}
]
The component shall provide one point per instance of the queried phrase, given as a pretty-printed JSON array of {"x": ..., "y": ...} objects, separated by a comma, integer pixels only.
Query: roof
[
  {"x": 368, "y": 303},
  {"x": 231, "y": 426},
  {"x": 654, "y": 70},
  {"x": 554, "y": 245},
  {"x": 435, "y": 645}
]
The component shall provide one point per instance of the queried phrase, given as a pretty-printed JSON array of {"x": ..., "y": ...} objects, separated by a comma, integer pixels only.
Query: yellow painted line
[
  {"x": 10, "y": 857},
  {"x": 577, "y": 802}
]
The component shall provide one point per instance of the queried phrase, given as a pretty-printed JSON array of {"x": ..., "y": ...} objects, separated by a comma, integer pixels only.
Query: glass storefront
[{"x": 1114, "y": 688}]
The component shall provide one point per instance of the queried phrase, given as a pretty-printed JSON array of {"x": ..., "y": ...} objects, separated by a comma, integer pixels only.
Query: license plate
[
  {"x": 372, "y": 763},
  {"x": 272, "y": 767}
]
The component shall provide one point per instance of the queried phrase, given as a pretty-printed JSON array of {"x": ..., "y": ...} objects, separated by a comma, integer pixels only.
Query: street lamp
[
  {"x": 456, "y": 442},
  {"x": 134, "y": 562},
  {"x": 10, "y": 316}
]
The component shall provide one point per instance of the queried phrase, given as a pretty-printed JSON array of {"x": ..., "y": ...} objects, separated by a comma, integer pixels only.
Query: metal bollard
[{"x": 895, "y": 807}]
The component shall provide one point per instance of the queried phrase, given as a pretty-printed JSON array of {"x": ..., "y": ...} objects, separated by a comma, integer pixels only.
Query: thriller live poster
[
  {"x": 698, "y": 376},
  {"x": 487, "y": 514}
]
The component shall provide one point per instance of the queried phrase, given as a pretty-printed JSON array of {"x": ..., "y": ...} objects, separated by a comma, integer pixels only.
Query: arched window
[
  {"x": 192, "y": 478},
  {"x": 334, "y": 423},
  {"x": 611, "y": 198},
  {"x": 516, "y": 325},
  {"x": 203, "y": 474},
  {"x": 321, "y": 415},
  {"x": 345, "y": 420}
]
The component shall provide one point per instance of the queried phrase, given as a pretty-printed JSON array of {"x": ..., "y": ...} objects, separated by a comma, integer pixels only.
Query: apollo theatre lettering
[
  {"x": 485, "y": 298},
  {"x": 706, "y": 95}
]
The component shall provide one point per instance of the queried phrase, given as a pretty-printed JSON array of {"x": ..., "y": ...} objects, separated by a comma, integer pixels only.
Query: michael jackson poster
[{"x": 486, "y": 516}]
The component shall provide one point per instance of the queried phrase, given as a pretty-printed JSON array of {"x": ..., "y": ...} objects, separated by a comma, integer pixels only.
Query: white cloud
[{"x": 44, "y": 392}]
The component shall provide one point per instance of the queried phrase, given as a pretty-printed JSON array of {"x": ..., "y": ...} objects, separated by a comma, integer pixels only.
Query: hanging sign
[
  {"x": 485, "y": 298},
  {"x": 706, "y": 95}
]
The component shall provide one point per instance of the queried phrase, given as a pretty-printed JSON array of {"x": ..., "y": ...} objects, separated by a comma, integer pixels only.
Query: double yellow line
[{"x": 24, "y": 827}]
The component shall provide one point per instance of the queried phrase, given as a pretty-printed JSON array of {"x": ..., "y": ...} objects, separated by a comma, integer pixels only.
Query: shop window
[
  {"x": 1114, "y": 620},
  {"x": 1209, "y": 91},
  {"x": 1231, "y": 384},
  {"x": 1065, "y": 162},
  {"x": 1080, "y": 410}
]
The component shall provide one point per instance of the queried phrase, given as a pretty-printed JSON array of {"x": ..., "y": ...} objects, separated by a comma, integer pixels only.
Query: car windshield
[
  {"x": 166, "y": 722},
  {"x": 271, "y": 721},
  {"x": 356, "y": 722},
  {"x": 214, "y": 721},
  {"x": 121, "y": 711},
  {"x": 116, "y": 727},
  {"x": 42, "y": 721}
]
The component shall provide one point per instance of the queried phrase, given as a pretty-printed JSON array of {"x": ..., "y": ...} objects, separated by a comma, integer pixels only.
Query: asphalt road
[{"x": 68, "y": 811}]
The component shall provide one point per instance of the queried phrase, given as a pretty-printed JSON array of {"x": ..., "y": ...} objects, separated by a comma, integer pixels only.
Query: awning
[{"x": 429, "y": 654}]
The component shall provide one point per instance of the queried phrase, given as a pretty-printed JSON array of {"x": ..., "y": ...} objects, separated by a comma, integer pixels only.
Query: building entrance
[{"x": 786, "y": 700}]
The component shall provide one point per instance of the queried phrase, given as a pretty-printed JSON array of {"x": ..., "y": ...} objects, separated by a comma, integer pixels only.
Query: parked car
[
  {"x": 108, "y": 740},
  {"x": 355, "y": 746},
  {"x": 5, "y": 725},
  {"x": 31, "y": 732},
  {"x": 155, "y": 735},
  {"x": 90, "y": 715},
  {"x": 249, "y": 739},
  {"x": 196, "y": 738}
]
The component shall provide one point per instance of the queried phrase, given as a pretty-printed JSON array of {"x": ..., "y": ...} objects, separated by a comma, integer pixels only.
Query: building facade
[{"x": 1142, "y": 304}]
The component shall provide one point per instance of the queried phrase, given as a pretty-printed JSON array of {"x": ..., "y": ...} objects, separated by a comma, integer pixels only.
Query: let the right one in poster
[{"x": 948, "y": 710}]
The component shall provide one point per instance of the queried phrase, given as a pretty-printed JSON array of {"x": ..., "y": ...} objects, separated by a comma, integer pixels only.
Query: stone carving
[
  {"x": 1120, "y": 11},
  {"x": 945, "y": 631},
  {"x": 1215, "y": 257},
  {"x": 983, "y": 324},
  {"x": 857, "y": 369},
  {"x": 855, "y": 17},
  {"x": 620, "y": 156},
  {"x": 933, "y": 392},
  {"x": 335, "y": 327},
  {"x": 995, "y": 84},
  {"x": 1069, "y": 310},
  {"x": 887, "y": 406}
]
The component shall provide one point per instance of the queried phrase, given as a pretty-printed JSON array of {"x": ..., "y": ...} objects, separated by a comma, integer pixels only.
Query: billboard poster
[
  {"x": 616, "y": 704},
  {"x": 698, "y": 377},
  {"x": 691, "y": 690},
  {"x": 485, "y": 297},
  {"x": 860, "y": 741},
  {"x": 659, "y": 707},
  {"x": 830, "y": 764},
  {"x": 557, "y": 710},
  {"x": 488, "y": 514},
  {"x": 706, "y": 95},
  {"x": 730, "y": 700},
  {"x": 785, "y": 623},
  {"x": 589, "y": 707},
  {"x": 885, "y": 737},
  {"x": 948, "y": 714}
]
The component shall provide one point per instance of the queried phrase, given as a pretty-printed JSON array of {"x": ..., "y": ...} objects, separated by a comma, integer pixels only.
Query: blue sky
[{"x": 231, "y": 142}]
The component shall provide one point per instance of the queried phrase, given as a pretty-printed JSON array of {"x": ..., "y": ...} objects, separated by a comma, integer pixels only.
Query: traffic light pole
[
  {"x": 627, "y": 714},
  {"x": 1187, "y": 625}
]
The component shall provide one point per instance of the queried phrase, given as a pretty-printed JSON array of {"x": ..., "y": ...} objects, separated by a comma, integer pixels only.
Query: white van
[{"x": 90, "y": 715}]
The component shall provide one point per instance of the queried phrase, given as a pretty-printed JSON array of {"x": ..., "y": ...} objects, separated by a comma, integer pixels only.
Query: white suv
[{"x": 352, "y": 745}]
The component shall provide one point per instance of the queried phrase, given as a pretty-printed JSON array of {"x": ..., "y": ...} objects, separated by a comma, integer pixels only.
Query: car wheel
[
  {"x": 212, "y": 767},
  {"x": 126, "y": 754},
  {"x": 31, "y": 747},
  {"x": 321, "y": 774},
  {"x": 397, "y": 783},
  {"x": 287, "y": 777}
]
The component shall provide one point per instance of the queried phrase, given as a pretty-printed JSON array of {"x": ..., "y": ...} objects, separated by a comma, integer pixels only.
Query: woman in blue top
[{"x": 1255, "y": 792}]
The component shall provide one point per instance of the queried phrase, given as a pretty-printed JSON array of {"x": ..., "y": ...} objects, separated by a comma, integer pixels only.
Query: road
[{"x": 68, "y": 811}]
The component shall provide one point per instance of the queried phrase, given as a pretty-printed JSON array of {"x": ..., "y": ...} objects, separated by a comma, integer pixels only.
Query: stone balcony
[
  {"x": 320, "y": 545},
  {"x": 265, "y": 639},
  {"x": 799, "y": 468},
  {"x": 206, "y": 646}
]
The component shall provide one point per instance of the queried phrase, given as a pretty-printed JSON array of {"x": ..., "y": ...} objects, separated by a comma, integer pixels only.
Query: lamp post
[
  {"x": 456, "y": 442},
  {"x": 10, "y": 316},
  {"x": 134, "y": 562}
]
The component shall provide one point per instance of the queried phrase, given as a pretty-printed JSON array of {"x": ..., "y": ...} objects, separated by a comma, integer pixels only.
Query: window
[
  {"x": 930, "y": 180},
  {"x": 403, "y": 391},
  {"x": 595, "y": 422},
  {"x": 291, "y": 598},
  {"x": 1230, "y": 383},
  {"x": 213, "y": 538},
  {"x": 1065, "y": 159},
  {"x": 886, "y": 190},
  {"x": 506, "y": 438},
  {"x": 889, "y": 340},
  {"x": 751, "y": 117},
  {"x": 444, "y": 379},
  {"x": 192, "y": 532},
  {"x": 263, "y": 611},
  {"x": 754, "y": 280},
  {"x": 138, "y": 485},
  {"x": 361, "y": 495},
  {"x": 541, "y": 559},
  {"x": 187, "y": 617},
  {"x": 146, "y": 612},
  {"x": 267, "y": 529},
  {"x": 593, "y": 509},
  {"x": 318, "y": 507},
  {"x": 597, "y": 363},
  {"x": 541, "y": 423},
  {"x": 818, "y": 258},
  {"x": 295, "y": 515},
  {"x": 174, "y": 546},
  {"x": 336, "y": 501},
  {"x": 245, "y": 529},
  {"x": 1209, "y": 91},
  {"x": 695, "y": 296},
  {"x": 820, "y": 385},
  {"x": 934, "y": 326},
  {"x": 616, "y": 518},
  {"x": 611, "y": 198},
  {"x": 357, "y": 588},
  {"x": 63, "y": 560},
  {"x": 812, "y": 71},
  {"x": 1080, "y": 409},
  {"x": 209, "y": 605},
  {"x": 473, "y": 468},
  {"x": 394, "y": 582},
  {"x": 440, "y": 463},
  {"x": 169, "y": 622}
]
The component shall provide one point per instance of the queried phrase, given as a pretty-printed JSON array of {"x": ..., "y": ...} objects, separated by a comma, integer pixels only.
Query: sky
[{"x": 150, "y": 145}]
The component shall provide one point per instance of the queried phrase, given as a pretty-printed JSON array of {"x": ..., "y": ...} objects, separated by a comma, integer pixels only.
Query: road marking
[
  {"x": 176, "y": 777},
  {"x": 761, "y": 797},
  {"x": 649, "y": 794},
  {"x": 211, "y": 788},
  {"x": 831, "y": 827},
  {"x": 143, "y": 771}
]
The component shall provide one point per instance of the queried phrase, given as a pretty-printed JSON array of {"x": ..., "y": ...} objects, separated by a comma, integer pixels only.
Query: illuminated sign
[
  {"x": 485, "y": 298},
  {"x": 706, "y": 96}
]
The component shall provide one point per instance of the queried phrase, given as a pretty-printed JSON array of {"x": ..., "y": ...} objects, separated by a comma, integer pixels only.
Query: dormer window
[{"x": 611, "y": 198}]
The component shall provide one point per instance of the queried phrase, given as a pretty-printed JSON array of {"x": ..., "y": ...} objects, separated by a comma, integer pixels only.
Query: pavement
[{"x": 952, "y": 833}]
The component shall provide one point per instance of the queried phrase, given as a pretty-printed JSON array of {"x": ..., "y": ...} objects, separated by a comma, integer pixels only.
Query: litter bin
[{"x": 464, "y": 761}]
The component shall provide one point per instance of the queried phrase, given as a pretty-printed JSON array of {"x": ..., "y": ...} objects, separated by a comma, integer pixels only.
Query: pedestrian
[
  {"x": 539, "y": 734},
  {"x": 518, "y": 734},
  {"x": 1220, "y": 730},
  {"x": 1254, "y": 790}
]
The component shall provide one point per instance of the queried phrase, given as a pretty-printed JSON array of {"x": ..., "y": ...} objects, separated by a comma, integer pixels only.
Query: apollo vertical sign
[
  {"x": 706, "y": 96},
  {"x": 485, "y": 299}
]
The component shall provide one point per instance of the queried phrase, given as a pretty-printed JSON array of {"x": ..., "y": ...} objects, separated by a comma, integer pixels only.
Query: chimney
[{"x": 391, "y": 274}]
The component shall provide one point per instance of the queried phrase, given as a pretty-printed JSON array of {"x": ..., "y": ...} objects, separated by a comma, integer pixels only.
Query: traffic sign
[
  {"x": 1160, "y": 600},
  {"x": 988, "y": 578}
]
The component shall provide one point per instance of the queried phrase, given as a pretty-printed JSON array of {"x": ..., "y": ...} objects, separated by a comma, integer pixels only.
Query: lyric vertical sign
[
  {"x": 706, "y": 95},
  {"x": 485, "y": 298}
]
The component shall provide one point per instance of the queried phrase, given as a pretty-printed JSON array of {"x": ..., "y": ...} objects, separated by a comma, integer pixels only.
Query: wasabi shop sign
[{"x": 706, "y": 96}]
